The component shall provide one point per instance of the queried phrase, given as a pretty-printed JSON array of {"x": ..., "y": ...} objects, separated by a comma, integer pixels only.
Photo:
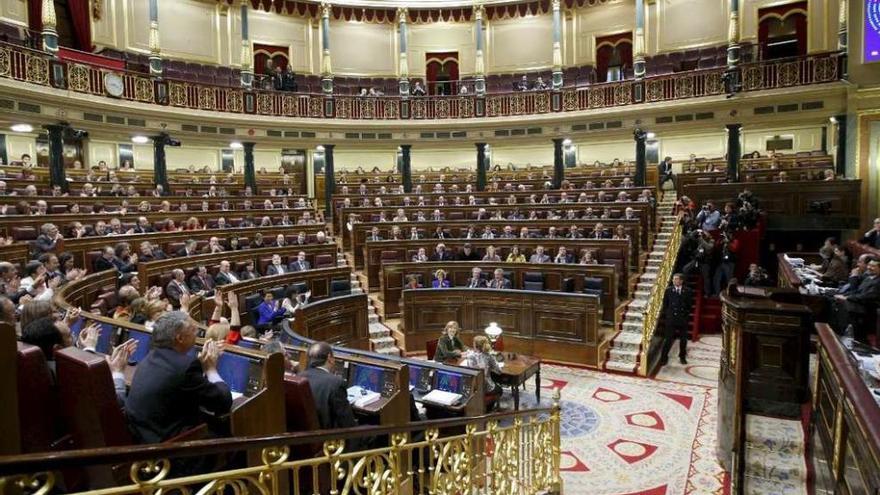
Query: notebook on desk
[{"x": 361, "y": 397}]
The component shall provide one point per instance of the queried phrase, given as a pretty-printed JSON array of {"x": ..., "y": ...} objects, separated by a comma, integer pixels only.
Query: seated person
[
  {"x": 300, "y": 264},
  {"x": 476, "y": 280},
  {"x": 169, "y": 389},
  {"x": 270, "y": 311},
  {"x": 468, "y": 253},
  {"x": 421, "y": 256},
  {"x": 201, "y": 283},
  {"x": 449, "y": 346},
  {"x": 539, "y": 256},
  {"x": 440, "y": 281},
  {"x": 562, "y": 256},
  {"x": 837, "y": 270},
  {"x": 249, "y": 272},
  {"x": 329, "y": 391},
  {"x": 49, "y": 336},
  {"x": 276, "y": 267},
  {"x": 858, "y": 307},
  {"x": 412, "y": 282},
  {"x": 515, "y": 256},
  {"x": 491, "y": 255},
  {"x": 757, "y": 277},
  {"x": 872, "y": 237},
  {"x": 480, "y": 357},
  {"x": 498, "y": 280}
]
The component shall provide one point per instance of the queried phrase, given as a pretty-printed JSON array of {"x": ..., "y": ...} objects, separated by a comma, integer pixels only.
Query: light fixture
[
  {"x": 319, "y": 148},
  {"x": 833, "y": 120},
  {"x": 236, "y": 145},
  {"x": 651, "y": 135},
  {"x": 140, "y": 139},
  {"x": 566, "y": 142},
  {"x": 493, "y": 333},
  {"x": 22, "y": 128}
]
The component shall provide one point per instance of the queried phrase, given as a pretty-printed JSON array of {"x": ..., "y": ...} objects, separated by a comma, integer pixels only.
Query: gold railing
[
  {"x": 655, "y": 301},
  {"x": 513, "y": 453}
]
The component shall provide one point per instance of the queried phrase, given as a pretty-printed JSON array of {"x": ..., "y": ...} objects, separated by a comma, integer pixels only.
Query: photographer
[
  {"x": 727, "y": 265},
  {"x": 701, "y": 256},
  {"x": 708, "y": 219}
]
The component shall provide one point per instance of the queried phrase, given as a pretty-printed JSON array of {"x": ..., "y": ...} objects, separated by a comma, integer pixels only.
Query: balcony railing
[
  {"x": 31, "y": 66},
  {"x": 511, "y": 453}
]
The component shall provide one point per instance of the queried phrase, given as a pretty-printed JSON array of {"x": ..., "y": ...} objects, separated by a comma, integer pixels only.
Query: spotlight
[
  {"x": 833, "y": 120},
  {"x": 319, "y": 148},
  {"x": 651, "y": 135},
  {"x": 22, "y": 128},
  {"x": 236, "y": 145},
  {"x": 140, "y": 139},
  {"x": 566, "y": 142}
]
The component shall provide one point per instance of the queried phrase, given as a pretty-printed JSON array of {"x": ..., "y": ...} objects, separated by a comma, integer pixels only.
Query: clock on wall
[{"x": 113, "y": 84}]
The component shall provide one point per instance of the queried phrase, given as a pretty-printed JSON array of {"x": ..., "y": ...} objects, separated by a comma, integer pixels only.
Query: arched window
[
  {"x": 782, "y": 30},
  {"x": 614, "y": 59}
]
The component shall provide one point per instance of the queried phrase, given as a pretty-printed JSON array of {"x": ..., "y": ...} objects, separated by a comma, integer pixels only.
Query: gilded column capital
[
  {"x": 47, "y": 13},
  {"x": 246, "y": 55},
  {"x": 402, "y": 14},
  {"x": 733, "y": 28},
  {"x": 154, "y": 38},
  {"x": 557, "y": 4},
  {"x": 479, "y": 12},
  {"x": 325, "y": 10}
]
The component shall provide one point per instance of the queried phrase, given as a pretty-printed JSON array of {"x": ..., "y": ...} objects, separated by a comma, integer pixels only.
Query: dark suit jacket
[
  {"x": 273, "y": 270},
  {"x": 473, "y": 284},
  {"x": 872, "y": 239},
  {"x": 103, "y": 263},
  {"x": 182, "y": 253},
  {"x": 444, "y": 256},
  {"x": 223, "y": 279},
  {"x": 331, "y": 399},
  {"x": 196, "y": 284},
  {"x": 173, "y": 292},
  {"x": 494, "y": 284},
  {"x": 167, "y": 391},
  {"x": 677, "y": 307},
  {"x": 158, "y": 254},
  {"x": 294, "y": 266},
  {"x": 245, "y": 275},
  {"x": 44, "y": 244},
  {"x": 867, "y": 294}
]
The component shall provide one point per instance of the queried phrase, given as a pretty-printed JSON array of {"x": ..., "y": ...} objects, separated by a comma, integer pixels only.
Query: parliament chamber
[{"x": 440, "y": 247}]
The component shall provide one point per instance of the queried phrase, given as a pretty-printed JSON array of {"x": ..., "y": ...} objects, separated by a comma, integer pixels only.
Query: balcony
[{"x": 38, "y": 68}]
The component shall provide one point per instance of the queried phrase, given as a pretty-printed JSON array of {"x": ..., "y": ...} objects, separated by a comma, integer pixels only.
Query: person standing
[{"x": 677, "y": 304}]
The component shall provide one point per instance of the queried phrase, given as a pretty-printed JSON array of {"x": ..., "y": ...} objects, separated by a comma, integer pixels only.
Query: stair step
[
  {"x": 619, "y": 366},
  {"x": 393, "y": 351},
  {"x": 629, "y": 337},
  {"x": 642, "y": 294},
  {"x": 774, "y": 434},
  {"x": 765, "y": 464},
  {"x": 638, "y": 304},
  {"x": 761, "y": 486},
  {"x": 645, "y": 286},
  {"x": 374, "y": 318},
  {"x": 633, "y": 315},
  {"x": 631, "y": 326}
]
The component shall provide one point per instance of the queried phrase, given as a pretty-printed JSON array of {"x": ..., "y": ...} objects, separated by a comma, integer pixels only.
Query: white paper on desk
[
  {"x": 793, "y": 261},
  {"x": 361, "y": 397},
  {"x": 441, "y": 397},
  {"x": 236, "y": 395}
]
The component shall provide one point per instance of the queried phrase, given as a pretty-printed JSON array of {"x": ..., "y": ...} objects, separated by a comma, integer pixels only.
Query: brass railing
[
  {"x": 655, "y": 301},
  {"x": 512, "y": 453},
  {"x": 36, "y": 67}
]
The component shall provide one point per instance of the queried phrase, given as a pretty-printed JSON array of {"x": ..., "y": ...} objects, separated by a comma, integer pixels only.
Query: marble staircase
[
  {"x": 775, "y": 461},
  {"x": 623, "y": 353}
]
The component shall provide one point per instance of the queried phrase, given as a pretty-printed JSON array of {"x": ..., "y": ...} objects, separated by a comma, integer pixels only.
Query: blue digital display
[
  {"x": 367, "y": 377},
  {"x": 449, "y": 382},
  {"x": 249, "y": 344},
  {"x": 105, "y": 339},
  {"x": 144, "y": 341},
  {"x": 237, "y": 370}
]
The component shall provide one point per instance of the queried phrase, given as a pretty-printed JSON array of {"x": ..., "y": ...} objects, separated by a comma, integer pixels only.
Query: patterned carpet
[{"x": 624, "y": 435}]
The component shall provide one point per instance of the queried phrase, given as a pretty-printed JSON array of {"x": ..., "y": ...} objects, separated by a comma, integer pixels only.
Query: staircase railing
[
  {"x": 511, "y": 453},
  {"x": 655, "y": 300}
]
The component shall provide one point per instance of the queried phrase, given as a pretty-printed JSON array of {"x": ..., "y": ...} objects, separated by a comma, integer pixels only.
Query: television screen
[
  {"x": 367, "y": 377},
  {"x": 243, "y": 374},
  {"x": 449, "y": 382}
]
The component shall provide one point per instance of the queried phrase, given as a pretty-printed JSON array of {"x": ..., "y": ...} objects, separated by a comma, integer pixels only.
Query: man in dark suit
[
  {"x": 249, "y": 272},
  {"x": 201, "y": 282},
  {"x": 224, "y": 275},
  {"x": 276, "y": 267},
  {"x": 468, "y": 253},
  {"x": 441, "y": 254},
  {"x": 176, "y": 288},
  {"x": 499, "y": 281},
  {"x": 48, "y": 239},
  {"x": 169, "y": 388},
  {"x": 872, "y": 237},
  {"x": 148, "y": 252},
  {"x": 677, "y": 303},
  {"x": 374, "y": 235},
  {"x": 143, "y": 226},
  {"x": 188, "y": 249},
  {"x": 664, "y": 170},
  {"x": 476, "y": 281},
  {"x": 859, "y": 306},
  {"x": 329, "y": 391},
  {"x": 300, "y": 264}
]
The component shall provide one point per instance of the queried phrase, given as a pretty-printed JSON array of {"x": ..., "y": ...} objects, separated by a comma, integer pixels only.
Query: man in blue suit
[{"x": 170, "y": 388}]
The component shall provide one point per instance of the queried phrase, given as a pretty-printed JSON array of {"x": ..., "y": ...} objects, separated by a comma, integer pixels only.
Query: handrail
[
  {"x": 14, "y": 464},
  {"x": 658, "y": 290}
]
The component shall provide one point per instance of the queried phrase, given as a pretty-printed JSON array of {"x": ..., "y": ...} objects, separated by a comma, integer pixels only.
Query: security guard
[{"x": 677, "y": 303}]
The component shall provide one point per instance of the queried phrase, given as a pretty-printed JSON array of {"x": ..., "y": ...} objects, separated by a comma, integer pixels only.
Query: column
[
  {"x": 406, "y": 167},
  {"x": 558, "y": 163},
  {"x": 329, "y": 180},
  {"x": 479, "y": 64},
  {"x": 326, "y": 66},
  {"x": 160, "y": 173},
  {"x": 57, "y": 175},
  {"x": 155, "y": 51},
  {"x": 50, "y": 34},
  {"x": 557, "y": 44},
  {"x": 641, "y": 177},
  {"x": 481, "y": 166},
  {"x": 842, "y": 41},
  {"x": 840, "y": 156},
  {"x": 734, "y": 152},
  {"x": 733, "y": 54},
  {"x": 403, "y": 65},
  {"x": 247, "y": 69},
  {"x": 639, "y": 41},
  {"x": 250, "y": 174}
]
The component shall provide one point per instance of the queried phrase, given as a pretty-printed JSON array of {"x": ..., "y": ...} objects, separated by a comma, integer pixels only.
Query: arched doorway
[
  {"x": 614, "y": 57},
  {"x": 782, "y": 30},
  {"x": 441, "y": 73}
]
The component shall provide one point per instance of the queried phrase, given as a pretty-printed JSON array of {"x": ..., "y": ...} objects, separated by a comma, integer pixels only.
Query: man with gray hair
[{"x": 170, "y": 388}]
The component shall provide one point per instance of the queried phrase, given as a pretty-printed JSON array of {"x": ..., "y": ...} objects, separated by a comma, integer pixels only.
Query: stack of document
[
  {"x": 442, "y": 397},
  {"x": 795, "y": 262},
  {"x": 361, "y": 397}
]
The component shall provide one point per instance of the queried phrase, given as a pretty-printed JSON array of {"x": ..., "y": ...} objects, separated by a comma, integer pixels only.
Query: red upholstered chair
[
  {"x": 37, "y": 401},
  {"x": 324, "y": 261},
  {"x": 431, "y": 348},
  {"x": 302, "y": 416}
]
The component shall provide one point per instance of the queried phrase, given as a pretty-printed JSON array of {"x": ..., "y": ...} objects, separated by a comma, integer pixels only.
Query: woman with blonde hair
[
  {"x": 449, "y": 346},
  {"x": 491, "y": 255},
  {"x": 440, "y": 280},
  {"x": 480, "y": 357}
]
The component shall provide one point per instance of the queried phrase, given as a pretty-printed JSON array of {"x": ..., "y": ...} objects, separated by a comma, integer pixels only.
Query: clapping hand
[
  {"x": 121, "y": 354},
  {"x": 218, "y": 299},
  {"x": 88, "y": 336},
  {"x": 154, "y": 293},
  {"x": 232, "y": 301},
  {"x": 72, "y": 315},
  {"x": 210, "y": 354},
  {"x": 184, "y": 302}
]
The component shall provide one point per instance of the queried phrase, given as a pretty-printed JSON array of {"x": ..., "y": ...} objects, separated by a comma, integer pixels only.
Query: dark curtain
[
  {"x": 262, "y": 53},
  {"x": 441, "y": 73},
  {"x": 782, "y": 18},
  {"x": 80, "y": 18},
  {"x": 35, "y": 15},
  {"x": 616, "y": 49}
]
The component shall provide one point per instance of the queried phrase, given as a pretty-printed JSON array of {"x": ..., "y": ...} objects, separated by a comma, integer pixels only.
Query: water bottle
[{"x": 848, "y": 337}]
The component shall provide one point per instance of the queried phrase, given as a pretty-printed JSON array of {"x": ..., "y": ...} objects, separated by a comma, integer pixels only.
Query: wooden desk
[
  {"x": 556, "y": 326},
  {"x": 516, "y": 369}
]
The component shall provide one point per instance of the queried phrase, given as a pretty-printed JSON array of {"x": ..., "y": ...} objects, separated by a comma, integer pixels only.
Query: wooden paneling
[
  {"x": 556, "y": 326},
  {"x": 338, "y": 320}
]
